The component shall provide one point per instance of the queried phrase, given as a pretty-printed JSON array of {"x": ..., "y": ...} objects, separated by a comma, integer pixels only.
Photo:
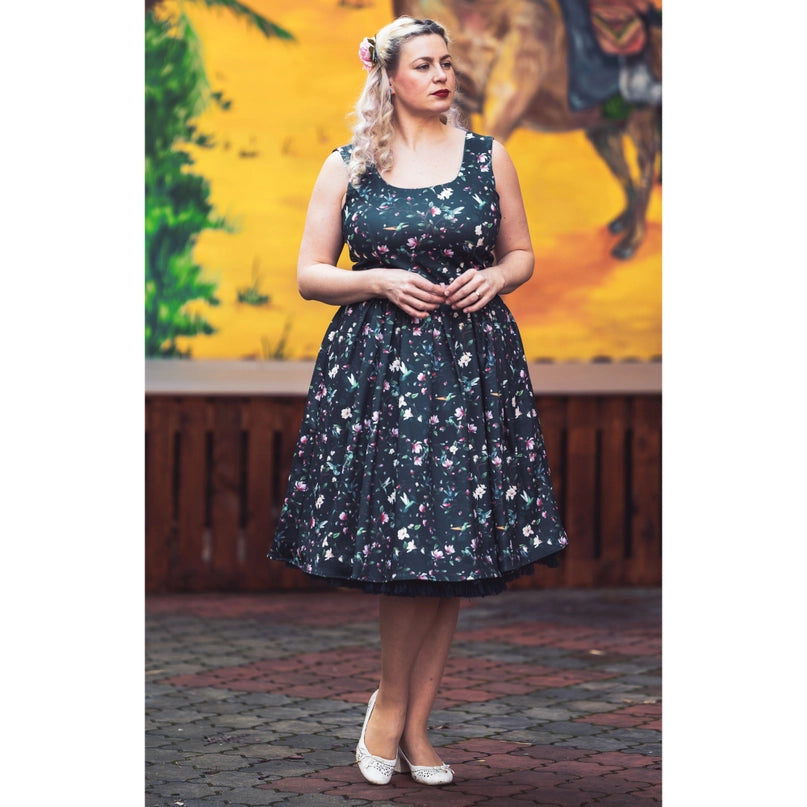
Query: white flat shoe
[
  {"x": 376, "y": 770},
  {"x": 425, "y": 774}
]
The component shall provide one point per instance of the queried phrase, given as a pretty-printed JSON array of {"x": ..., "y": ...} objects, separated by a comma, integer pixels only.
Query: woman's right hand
[{"x": 319, "y": 278}]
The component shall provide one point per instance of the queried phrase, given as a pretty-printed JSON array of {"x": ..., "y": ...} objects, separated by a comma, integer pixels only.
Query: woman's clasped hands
[{"x": 418, "y": 296}]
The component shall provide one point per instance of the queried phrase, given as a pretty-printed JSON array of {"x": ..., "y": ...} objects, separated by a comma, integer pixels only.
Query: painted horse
[{"x": 512, "y": 70}]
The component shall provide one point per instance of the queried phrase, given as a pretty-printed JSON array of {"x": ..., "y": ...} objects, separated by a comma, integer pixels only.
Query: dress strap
[
  {"x": 479, "y": 144},
  {"x": 345, "y": 152},
  {"x": 478, "y": 159}
]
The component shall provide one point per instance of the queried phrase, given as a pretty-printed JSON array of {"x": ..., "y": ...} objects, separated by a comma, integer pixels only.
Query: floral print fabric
[{"x": 420, "y": 467}]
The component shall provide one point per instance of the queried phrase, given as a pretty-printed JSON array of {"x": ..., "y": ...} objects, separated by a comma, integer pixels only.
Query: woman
[{"x": 420, "y": 472}]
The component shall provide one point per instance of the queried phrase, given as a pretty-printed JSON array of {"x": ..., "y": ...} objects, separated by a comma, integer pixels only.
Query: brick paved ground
[{"x": 550, "y": 697}]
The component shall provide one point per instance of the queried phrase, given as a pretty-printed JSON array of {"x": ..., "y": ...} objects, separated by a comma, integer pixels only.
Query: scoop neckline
[{"x": 439, "y": 184}]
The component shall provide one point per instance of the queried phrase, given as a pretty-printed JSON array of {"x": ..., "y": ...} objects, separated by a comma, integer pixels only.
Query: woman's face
[{"x": 424, "y": 81}]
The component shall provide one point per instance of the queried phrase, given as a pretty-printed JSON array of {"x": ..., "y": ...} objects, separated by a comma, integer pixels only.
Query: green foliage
[
  {"x": 278, "y": 350},
  {"x": 266, "y": 27},
  {"x": 177, "y": 201},
  {"x": 616, "y": 108},
  {"x": 252, "y": 294},
  {"x": 177, "y": 205}
]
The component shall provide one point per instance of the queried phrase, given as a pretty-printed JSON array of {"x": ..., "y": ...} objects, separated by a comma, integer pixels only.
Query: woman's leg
[
  {"x": 424, "y": 681},
  {"x": 416, "y": 636}
]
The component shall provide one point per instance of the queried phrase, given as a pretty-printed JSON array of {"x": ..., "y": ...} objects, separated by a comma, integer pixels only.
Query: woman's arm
[
  {"x": 514, "y": 256},
  {"x": 318, "y": 277}
]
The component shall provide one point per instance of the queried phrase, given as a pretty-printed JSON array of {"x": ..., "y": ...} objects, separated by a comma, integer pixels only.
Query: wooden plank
[
  {"x": 552, "y": 413},
  {"x": 189, "y": 571},
  {"x": 159, "y": 509},
  {"x": 645, "y": 568},
  {"x": 226, "y": 494},
  {"x": 287, "y": 427},
  {"x": 552, "y": 417},
  {"x": 581, "y": 522},
  {"x": 289, "y": 417},
  {"x": 612, "y": 565},
  {"x": 231, "y": 378},
  {"x": 259, "y": 571}
]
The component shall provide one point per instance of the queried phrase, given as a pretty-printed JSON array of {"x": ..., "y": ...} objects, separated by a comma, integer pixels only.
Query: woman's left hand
[{"x": 474, "y": 289}]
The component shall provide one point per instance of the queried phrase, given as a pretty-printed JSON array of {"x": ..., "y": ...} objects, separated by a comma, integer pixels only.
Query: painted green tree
[{"x": 177, "y": 200}]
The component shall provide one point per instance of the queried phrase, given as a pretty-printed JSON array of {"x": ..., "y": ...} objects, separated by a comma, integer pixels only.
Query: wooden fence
[{"x": 217, "y": 465}]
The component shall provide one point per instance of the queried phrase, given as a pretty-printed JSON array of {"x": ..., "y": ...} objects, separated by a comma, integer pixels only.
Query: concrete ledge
[{"x": 224, "y": 377}]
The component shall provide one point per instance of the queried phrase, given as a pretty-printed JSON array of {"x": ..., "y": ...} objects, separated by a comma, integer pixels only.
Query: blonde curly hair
[{"x": 372, "y": 132}]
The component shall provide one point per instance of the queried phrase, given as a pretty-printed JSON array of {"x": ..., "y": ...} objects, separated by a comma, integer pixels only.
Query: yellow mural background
[{"x": 290, "y": 105}]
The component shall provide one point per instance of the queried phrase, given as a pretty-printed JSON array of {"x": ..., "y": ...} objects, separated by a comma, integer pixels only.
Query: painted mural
[{"x": 245, "y": 101}]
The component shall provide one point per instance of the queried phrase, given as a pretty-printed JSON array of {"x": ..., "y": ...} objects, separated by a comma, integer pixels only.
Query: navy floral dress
[{"x": 420, "y": 467}]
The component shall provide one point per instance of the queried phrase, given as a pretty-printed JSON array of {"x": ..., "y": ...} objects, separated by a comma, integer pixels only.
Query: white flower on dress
[
  {"x": 464, "y": 359},
  {"x": 527, "y": 530},
  {"x": 346, "y": 412},
  {"x": 510, "y": 493},
  {"x": 445, "y": 193},
  {"x": 403, "y": 533},
  {"x": 479, "y": 492}
]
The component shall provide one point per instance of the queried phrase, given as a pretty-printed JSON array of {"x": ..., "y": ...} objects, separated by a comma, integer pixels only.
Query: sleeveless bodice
[{"x": 439, "y": 231}]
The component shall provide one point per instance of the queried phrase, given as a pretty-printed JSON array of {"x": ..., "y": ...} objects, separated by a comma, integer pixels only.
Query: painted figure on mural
[
  {"x": 563, "y": 65},
  {"x": 420, "y": 472}
]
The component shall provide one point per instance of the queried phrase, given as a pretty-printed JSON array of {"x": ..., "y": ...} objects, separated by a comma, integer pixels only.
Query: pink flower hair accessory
[{"x": 367, "y": 53}]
